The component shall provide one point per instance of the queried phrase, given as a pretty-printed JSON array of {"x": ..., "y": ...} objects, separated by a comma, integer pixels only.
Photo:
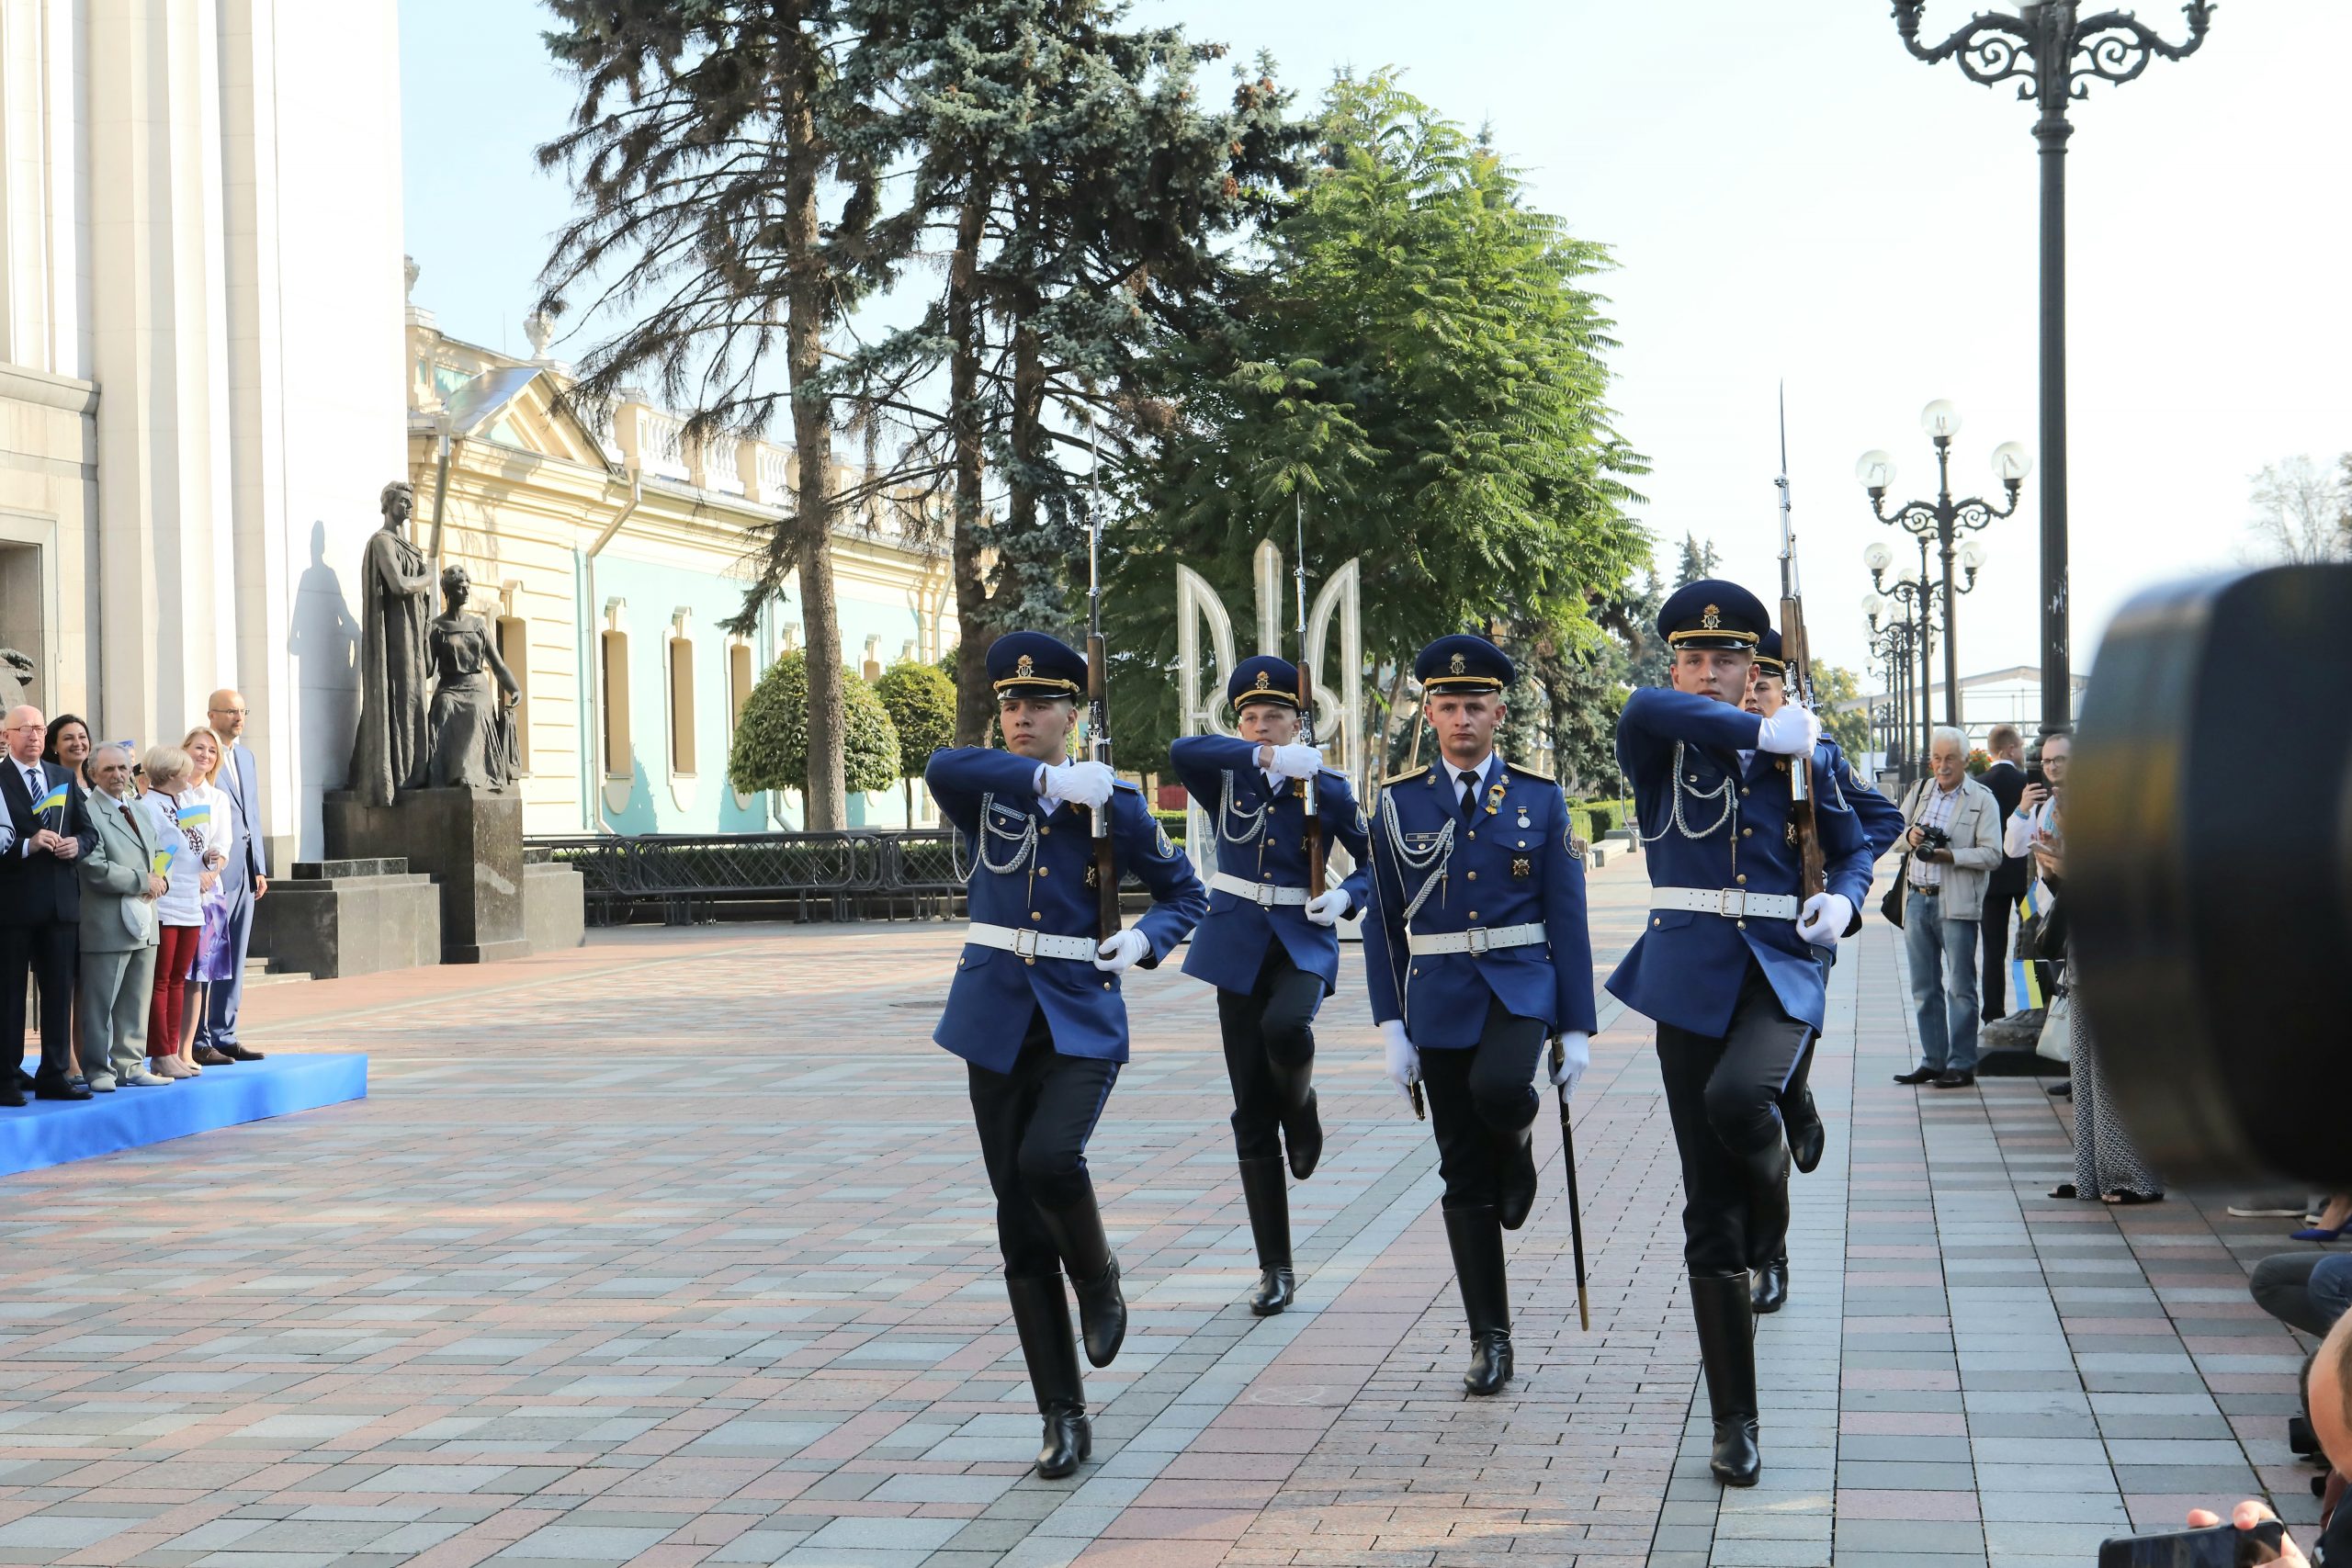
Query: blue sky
[{"x": 1788, "y": 195}]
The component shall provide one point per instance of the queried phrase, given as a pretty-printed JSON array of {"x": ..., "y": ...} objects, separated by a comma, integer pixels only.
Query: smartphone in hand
[{"x": 2219, "y": 1546}]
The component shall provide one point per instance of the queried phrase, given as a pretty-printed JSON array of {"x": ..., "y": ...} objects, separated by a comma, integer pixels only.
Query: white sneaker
[
  {"x": 102, "y": 1085},
  {"x": 145, "y": 1079}
]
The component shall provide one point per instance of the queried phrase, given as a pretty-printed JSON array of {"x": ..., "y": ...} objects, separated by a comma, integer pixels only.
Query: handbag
[
  {"x": 1890, "y": 907},
  {"x": 2057, "y": 1042}
]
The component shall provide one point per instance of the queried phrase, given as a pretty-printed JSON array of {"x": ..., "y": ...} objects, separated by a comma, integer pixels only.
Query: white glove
[
  {"x": 1122, "y": 950},
  {"x": 1327, "y": 909},
  {"x": 1825, "y": 918},
  {"x": 1297, "y": 762},
  {"x": 1404, "y": 1062},
  {"x": 1078, "y": 784},
  {"x": 1576, "y": 1055},
  {"x": 1790, "y": 732}
]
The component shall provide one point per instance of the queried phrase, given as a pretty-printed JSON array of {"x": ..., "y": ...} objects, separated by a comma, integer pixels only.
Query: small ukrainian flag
[
  {"x": 2025, "y": 977},
  {"x": 163, "y": 862},
  {"x": 54, "y": 800}
]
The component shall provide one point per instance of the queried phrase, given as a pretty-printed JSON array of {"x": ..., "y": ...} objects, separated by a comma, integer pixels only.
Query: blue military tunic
[
  {"x": 1712, "y": 825},
  {"x": 1512, "y": 864},
  {"x": 1262, "y": 836},
  {"x": 1034, "y": 870}
]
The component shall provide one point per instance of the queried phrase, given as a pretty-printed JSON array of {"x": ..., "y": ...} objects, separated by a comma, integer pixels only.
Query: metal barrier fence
[{"x": 684, "y": 879}]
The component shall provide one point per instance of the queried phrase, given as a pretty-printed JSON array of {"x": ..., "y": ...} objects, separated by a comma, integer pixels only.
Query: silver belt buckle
[
  {"x": 1723, "y": 903},
  {"x": 1264, "y": 892},
  {"x": 1025, "y": 943},
  {"x": 1478, "y": 943}
]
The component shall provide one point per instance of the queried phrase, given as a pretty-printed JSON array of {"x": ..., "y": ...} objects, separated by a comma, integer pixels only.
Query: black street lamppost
[
  {"x": 1891, "y": 642},
  {"x": 1917, "y": 598},
  {"x": 1946, "y": 519},
  {"x": 2054, "y": 51}
]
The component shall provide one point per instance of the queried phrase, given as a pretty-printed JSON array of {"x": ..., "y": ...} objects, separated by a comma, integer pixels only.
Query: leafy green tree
[
  {"x": 1832, "y": 685},
  {"x": 920, "y": 700},
  {"x": 731, "y": 178},
  {"x": 1421, "y": 357},
  {"x": 771, "y": 748}
]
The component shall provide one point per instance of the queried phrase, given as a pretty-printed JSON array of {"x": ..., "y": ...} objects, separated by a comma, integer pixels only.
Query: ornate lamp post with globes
[
  {"x": 1946, "y": 519},
  {"x": 2054, "y": 50},
  {"x": 1892, "y": 638}
]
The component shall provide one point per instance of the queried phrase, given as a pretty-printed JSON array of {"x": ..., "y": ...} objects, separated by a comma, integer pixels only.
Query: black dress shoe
[
  {"x": 1918, "y": 1075},
  {"x": 10, "y": 1094},
  {"x": 2063, "y": 1088},
  {"x": 61, "y": 1089},
  {"x": 1955, "y": 1081},
  {"x": 239, "y": 1054},
  {"x": 24, "y": 1078},
  {"x": 1770, "y": 1290}
]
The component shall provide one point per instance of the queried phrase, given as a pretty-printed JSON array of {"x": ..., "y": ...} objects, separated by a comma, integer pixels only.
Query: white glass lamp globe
[{"x": 1940, "y": 419}]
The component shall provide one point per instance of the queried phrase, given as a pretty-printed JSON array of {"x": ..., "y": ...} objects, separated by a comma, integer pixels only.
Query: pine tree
[{"x": 726, "y": 157}]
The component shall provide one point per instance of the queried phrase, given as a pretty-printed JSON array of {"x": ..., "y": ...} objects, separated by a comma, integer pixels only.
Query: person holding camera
[{"x": 1953, "y": 828}]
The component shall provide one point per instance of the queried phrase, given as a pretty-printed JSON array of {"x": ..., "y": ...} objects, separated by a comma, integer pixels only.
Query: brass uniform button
[
  {"x": 1474, "y": 832},
  {"x": 1474, "y": 914},
  {"x": 1745, "y": 832},
  {"x": 1743, "y": 789},
  {"x": 1742, "y": 924},
  {"x": 1031, "y": 962},
  {"x": 1655, "y": 921},
  {"x": 1043, "y": 829},
  {"x": 1045, "y": 871},
  {"x": 1036, "y": 914},
  {"x": 1106, "y": 985},
  {"x": 1742, "y": 879},
  {"x": 1473, "y": 876}
]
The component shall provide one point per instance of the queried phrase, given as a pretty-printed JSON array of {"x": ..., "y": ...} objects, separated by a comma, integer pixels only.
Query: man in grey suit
[
  {"x": 119, "y": 892},
  {"x": 247, "y": 880}
]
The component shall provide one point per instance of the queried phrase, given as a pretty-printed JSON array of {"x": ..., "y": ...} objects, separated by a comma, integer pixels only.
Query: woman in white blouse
[
  {"x": 179, "y": 913},
  {"x": 209, "y": 821}
]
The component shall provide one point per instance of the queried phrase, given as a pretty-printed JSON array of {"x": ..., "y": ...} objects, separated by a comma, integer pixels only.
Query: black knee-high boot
[
  {"x": 1768, "y": 1202},
  {"x": 1077, "y": 1229},
  {"x": 1514, "y": 1175},
  {"x": 1041, "y": 1316},
  {"x": 1770, "y": 1290},
  {"x": 1263, "y": 1188},
  {"x": 1302, "y": 1126},
  {"x": 1475, "y": 1234},
  {"x": 1719, "y": 1303}
]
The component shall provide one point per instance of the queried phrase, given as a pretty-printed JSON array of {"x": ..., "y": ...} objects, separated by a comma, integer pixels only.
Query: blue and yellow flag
[
  {"x": 195, "y": 816},
  {"x": 163, "y": 862},
  {"x": 2025, "y": 977},
  {"x": 54, "y": 800}
]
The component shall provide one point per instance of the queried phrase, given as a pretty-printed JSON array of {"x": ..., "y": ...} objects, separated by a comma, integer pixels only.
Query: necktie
[{"x": 1469, "y": 795}]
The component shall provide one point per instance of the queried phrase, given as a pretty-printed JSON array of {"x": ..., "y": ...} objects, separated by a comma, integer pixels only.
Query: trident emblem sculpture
[{"x": 1200, "y": 673}]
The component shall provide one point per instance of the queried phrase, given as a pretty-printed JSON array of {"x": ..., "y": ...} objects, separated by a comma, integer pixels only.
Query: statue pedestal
[{"x": 468, "y": 841}]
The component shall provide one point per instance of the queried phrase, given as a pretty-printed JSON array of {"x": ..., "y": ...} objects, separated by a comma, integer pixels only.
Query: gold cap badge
[
  {"x": 1712, "y": 618},
  {"x": 1459, "y": 664},
  {"x": 1026, "y": 666},
  {"x": 1266, "y": 681}
]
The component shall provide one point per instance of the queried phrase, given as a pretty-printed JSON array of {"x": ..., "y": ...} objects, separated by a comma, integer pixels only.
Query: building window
[
  {"x": 515, "y": 653},
  {"x": 616, "y": 679},
  {"x": 682, "y": 706},
  {"x": 739, "y": 682}
]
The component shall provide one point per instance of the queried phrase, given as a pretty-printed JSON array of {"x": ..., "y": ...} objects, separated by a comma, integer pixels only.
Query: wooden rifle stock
[{"x": 1797, "y": 687}]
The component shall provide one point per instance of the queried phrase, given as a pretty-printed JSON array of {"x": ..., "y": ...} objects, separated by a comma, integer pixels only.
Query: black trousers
[
  {"x": 1992, "y": 984},
  {"x": 1268, "y": 1029},
  {"x": 47, "y": 952},
  {"x": 1033, "y": 1123},
  {"x": 1478, "y": 1094},
  {"x": 1723, "y": 1095}
]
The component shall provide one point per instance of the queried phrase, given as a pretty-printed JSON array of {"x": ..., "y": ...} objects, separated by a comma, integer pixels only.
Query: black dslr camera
[{"x": 1934, "y": 839}]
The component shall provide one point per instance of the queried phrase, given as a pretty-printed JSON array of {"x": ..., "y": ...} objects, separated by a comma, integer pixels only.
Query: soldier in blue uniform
[
  {"x": 1882, "y": 824},
  {"x": 1476, "y": 953},
  {"x": 1734, "y": 964},
  {"x": 1268, "y": 942},
  {"x": 1036, "y": 1010}
]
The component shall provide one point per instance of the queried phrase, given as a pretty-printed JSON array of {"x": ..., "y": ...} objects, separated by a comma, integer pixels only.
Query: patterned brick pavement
[{"x": 669, "y": 1251}]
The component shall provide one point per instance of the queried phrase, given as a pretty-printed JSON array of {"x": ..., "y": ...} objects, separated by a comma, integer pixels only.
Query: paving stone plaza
[{"x": 674, "y": 1250}]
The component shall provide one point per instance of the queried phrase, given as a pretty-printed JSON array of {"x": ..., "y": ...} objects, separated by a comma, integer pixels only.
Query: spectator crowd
[{"x": 127, "y": 881}]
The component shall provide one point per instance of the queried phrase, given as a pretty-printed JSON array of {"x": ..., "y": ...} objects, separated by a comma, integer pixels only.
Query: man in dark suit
[
  {"x": 2006, "y": 779},
  {"x": 47, "y": 828},
  {"x": 246, "y": 879}
]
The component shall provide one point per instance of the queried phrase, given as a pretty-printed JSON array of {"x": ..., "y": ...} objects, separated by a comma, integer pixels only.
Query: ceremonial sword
[{"x": 1575, "y": 1207}]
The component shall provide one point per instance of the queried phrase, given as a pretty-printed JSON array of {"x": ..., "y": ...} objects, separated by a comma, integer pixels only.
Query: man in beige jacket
[
  {"x": 1953, "y": 828},
  {"x": 119, "y": 893}
]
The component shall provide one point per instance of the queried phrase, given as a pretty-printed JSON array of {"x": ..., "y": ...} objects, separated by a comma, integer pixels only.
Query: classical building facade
[
  {"x": 200, "y": 362},
  {"x": 609, "y": 555}
]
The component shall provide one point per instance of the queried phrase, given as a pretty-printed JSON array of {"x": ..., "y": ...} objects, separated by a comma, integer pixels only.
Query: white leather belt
[
  {"x": 1265, "y": 895},
  {"x": 1731, "y": 903},
  {"x": 1028, "y": 944},
  {"x": 1477, "y": 939}
]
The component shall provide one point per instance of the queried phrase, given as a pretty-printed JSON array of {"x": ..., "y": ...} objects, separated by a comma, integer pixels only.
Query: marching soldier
[
  {"x": 1881, "y": 823},
  {"x": 1268, "y": 942},
  {"x": 1733, "y": 965},
  {"x": 1476, "y": 953},
  {"x": 1036, "y": 1010}
]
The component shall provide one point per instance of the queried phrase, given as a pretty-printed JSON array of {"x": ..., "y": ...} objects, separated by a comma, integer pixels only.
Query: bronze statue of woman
[
  {"x": 389, "y": 754},
  {"x": 473, "y": 730}
]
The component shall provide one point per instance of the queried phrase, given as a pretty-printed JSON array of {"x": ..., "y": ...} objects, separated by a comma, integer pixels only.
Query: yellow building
[{"x": 607, "y": 557}]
